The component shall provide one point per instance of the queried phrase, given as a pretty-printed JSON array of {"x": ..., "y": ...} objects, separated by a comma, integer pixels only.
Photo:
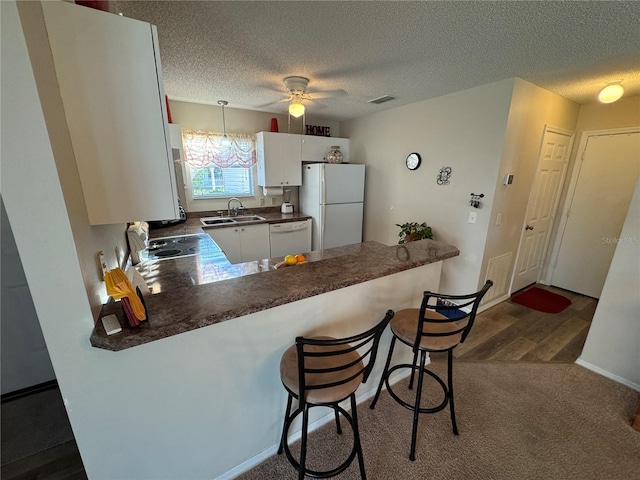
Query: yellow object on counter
[{"x": 119, "y": 286}]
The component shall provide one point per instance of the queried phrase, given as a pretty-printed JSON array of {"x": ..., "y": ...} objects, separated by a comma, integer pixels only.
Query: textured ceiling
[{"x": 241, "y": 51}]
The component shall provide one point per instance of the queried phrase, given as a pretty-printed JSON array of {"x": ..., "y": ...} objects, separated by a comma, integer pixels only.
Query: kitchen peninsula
[{"x": 195, "y": 292}]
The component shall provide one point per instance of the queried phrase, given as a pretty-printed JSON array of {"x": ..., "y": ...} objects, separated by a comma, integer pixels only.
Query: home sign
[{"x": 318, "y": 131}]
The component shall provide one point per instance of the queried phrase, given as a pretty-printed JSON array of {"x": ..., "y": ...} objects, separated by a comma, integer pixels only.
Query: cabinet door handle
[{"x": 528, "y": 227}]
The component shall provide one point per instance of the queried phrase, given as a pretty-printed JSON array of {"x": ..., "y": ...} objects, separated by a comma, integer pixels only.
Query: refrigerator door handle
[
  {"x": 323, "y": 187},
  {"x": 323, "y": 214}
]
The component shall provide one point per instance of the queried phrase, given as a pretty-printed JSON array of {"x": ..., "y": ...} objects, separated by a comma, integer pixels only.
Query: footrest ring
[{"x": 409, "y": 406}]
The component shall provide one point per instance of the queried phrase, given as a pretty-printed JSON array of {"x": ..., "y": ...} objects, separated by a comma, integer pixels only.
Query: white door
[
  {"x": 543, "y": 203},
  {"x": 607, "y": 175}
]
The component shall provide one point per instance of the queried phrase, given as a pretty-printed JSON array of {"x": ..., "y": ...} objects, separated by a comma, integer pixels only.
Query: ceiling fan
[{"x": 296, "y": 88}]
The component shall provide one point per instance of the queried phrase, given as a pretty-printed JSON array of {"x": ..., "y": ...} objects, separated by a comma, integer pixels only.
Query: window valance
[{"x": 202, "y": 149}]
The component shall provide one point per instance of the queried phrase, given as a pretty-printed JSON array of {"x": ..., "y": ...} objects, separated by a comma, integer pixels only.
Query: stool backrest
[
  {"x": 454, "y": 317},
  {"x": 319, "y": 359}
]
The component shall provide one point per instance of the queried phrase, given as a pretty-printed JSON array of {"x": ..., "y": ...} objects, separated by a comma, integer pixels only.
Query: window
[
  {"x": 219, "y": 166},
  {"x": 214, "y": 181}
]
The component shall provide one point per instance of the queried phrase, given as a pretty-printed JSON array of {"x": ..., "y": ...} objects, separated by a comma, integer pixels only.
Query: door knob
[{"x": 528, "y": 227}]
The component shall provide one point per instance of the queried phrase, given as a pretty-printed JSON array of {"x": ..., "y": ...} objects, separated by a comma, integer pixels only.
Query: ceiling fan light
[
  {"x": 296, "y": 109},
  {"x": 611, "y": 93}
]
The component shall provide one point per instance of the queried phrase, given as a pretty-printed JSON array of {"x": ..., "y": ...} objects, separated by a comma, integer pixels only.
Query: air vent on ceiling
[{"x": 382, "y": 99}]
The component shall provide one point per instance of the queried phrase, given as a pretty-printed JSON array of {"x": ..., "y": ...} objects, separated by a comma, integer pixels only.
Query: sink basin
[
  {"x": 247, "y": 218},
  {"x": 215, "y": 220},
  {"x": 229, "y": 220}
]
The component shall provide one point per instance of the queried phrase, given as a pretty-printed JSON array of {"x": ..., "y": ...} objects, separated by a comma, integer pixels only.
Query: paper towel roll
[{"x": 270, "y": 191}]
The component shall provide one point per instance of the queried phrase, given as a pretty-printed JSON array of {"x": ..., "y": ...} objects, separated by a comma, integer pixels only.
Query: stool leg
[
  {"x": 413, "y": 370},
  {"x": 335, "y": 409},
  {"x": 303, "y": 442},
  {"x": 450, "y": 393},
  {"x": 356, "y": 436},
  {"x": 384, "y": 373},
  {"x": 284, "y": 426},
  {"x": 416, "y": 411}
]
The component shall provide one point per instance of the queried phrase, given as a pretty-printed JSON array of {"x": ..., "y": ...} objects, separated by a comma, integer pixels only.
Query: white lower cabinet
[{"x": 243, "y": 243}]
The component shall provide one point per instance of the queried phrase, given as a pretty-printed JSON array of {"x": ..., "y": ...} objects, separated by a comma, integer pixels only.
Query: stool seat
[
  {"x": 405, "y": 324},
  {"x": 427, "y": 329},
  {"x": 289, "y": 372},
  {"x": 322, "y": 372}
]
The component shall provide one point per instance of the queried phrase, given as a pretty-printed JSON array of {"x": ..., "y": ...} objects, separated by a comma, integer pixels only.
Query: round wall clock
[{"x": 413, "y": 161}]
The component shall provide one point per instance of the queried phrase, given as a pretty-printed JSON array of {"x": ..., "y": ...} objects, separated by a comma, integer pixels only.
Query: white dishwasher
[{"x": 289, "y": 238}]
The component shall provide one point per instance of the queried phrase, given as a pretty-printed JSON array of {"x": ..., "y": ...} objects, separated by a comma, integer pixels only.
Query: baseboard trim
[
  {"x": 25, "y": 392},
  {"x": 609, "y": 375}
]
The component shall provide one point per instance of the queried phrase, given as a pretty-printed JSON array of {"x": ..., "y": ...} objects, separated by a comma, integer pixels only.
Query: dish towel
[{"x": 119, "y": 286}]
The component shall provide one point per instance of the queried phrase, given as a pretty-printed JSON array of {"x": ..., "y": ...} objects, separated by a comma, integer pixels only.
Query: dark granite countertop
[{"x": 195, "y": 292}]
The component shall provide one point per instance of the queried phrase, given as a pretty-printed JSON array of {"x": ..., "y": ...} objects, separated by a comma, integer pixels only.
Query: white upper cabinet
[
  {"x": 110, "y": 79},
  {"x": 315, "y": 148},
  {"x": 279, "y": 159}
]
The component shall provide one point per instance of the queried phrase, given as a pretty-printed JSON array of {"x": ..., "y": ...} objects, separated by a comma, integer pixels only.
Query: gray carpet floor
[
  {"x": 516, "y": 421},
  {"x": 32, "y": 424}
]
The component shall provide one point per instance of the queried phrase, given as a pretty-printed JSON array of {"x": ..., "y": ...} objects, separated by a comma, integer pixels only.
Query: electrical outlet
[
  {"x": 472, "y": 217},
  {"x": 261, "y": 201},
  {"x": 498, "y": 219},
  {"x": 103, "y": 264}
]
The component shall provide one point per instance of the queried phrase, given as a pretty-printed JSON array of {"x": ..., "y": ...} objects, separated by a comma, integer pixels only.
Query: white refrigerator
[{"x": 333, "y": 194}]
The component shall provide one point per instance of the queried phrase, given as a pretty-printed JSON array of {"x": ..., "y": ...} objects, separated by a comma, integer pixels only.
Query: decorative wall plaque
[
  {"x": 318, "y": 131},
  {"x": 444, "y": 175}
]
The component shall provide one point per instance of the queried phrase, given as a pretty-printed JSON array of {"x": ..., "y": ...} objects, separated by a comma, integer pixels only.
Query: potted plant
[{"x": 412, "y": 231}]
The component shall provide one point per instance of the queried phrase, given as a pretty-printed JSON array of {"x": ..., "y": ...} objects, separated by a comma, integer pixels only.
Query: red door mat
[{"x": 542, "y": 300}]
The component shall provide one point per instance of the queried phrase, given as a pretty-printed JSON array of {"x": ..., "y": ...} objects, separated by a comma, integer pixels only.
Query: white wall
[
  {"x": 481, "y": 133},
  {"x": 465, "y": 131},
  {"x": 24, "y": 358},
  {"x": 531, "y": 109},
  {"x": 613, "y": 344}
]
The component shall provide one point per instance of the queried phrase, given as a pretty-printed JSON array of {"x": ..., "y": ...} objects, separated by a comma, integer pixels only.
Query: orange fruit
[{"x": 300, "y": 258}]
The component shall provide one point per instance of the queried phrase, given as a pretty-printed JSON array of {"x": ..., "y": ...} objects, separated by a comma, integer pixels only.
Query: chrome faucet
[{"x": 235, "y": 209}]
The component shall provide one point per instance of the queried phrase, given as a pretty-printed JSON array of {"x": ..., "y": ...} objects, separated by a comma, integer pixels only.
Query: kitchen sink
[
  {"x": 215, "y": 220},
  {"x": 247, "y": 218},
  {"x": 230, "y": 220}
]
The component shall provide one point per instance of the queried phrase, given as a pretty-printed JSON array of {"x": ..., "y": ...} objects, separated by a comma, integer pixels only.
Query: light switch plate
[
  {"x": 103, "y": 264},
  {"x": 472, "y": 217}
]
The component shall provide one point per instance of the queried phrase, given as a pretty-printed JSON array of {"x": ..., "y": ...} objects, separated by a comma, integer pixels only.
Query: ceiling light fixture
[
  {"x": 225, "y": 139},
  {"x": 296, "y": 108},
  {"x": 612, "y": 92}
]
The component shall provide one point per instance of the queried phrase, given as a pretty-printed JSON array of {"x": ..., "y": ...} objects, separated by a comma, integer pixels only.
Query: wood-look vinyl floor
[{"x": 505, "y": 332}]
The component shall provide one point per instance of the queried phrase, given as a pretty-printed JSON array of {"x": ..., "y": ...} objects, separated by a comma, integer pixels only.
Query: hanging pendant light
[
  {"x": 296, "y": 108},
  {"x": 611, "y": 93},
  {"x": 225, "y": 140}
]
